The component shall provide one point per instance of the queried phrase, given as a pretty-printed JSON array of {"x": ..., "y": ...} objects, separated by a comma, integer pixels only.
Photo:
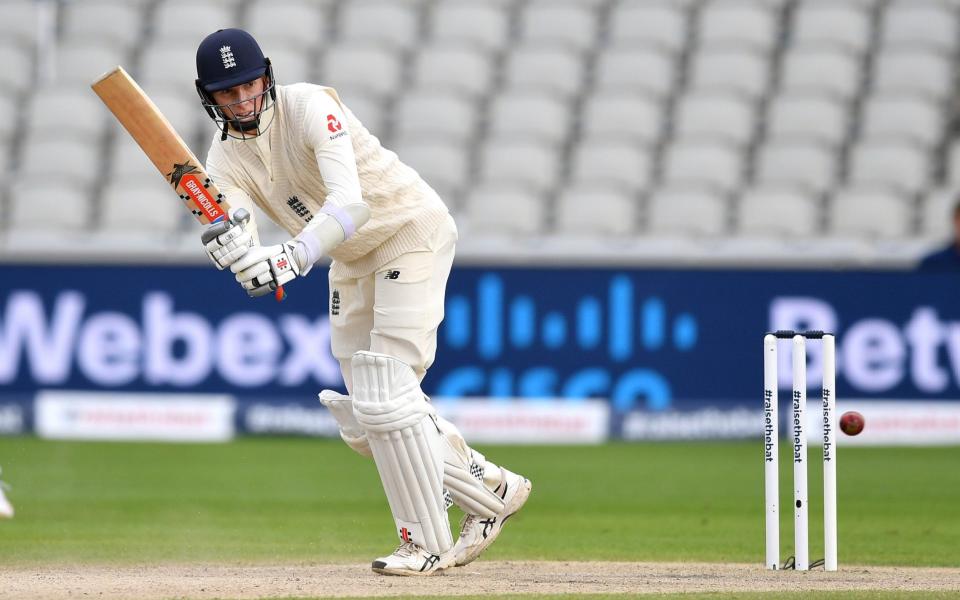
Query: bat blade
[{"x": 162, "y": 145}]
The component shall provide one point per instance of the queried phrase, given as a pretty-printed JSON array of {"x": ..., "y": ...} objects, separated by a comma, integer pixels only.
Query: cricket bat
[{"x": 164, "y": 147}]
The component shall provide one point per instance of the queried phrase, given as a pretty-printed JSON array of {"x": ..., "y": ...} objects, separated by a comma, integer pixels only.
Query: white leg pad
[
  {"x": 341, "y": 407},
  {"x": 407, "y": 447},
  {"x": 463, "y": 473}
]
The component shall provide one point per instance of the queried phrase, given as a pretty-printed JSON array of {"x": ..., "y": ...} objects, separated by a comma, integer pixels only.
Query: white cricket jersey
[{"x": 315, "y": 152}]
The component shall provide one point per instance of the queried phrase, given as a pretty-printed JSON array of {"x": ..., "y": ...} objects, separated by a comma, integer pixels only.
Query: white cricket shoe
[
  {"x": 410, "y": 559},
  {"x": 6, "y": 509},
  {"x": 476, "y": 532}
]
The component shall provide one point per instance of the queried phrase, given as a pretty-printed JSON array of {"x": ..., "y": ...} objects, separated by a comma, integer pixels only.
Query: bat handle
[{"x": 280, "y": 295}]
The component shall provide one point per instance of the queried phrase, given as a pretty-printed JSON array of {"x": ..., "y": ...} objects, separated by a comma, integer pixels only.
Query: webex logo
[{"x": 160, "y": 346}]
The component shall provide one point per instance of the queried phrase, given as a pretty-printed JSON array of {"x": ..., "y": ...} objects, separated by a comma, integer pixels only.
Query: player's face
[{"x": 241, "y": 102}]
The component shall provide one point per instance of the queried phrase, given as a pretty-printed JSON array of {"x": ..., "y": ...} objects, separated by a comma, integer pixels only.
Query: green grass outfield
[{"x": 315, "y": 500}]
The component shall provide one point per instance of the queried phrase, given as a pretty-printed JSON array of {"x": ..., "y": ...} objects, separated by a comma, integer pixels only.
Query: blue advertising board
[{"x": 644, "y": 339}]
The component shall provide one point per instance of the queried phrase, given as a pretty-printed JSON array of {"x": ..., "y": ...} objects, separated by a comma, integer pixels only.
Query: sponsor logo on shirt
[{"x": 335, "y": 127}]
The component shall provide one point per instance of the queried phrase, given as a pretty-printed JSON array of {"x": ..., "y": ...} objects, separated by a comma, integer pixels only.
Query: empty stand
[
  {"x": 778, "y": 211},
  {"x": 612, "y": 161},
  {"x": 873, "y": 212},
  {"x": 662, "y": 24},
  {"x": 592, "y": 211},
  {"x": 455, "y": 66},
  {"x": 502, "y": 210},
  {"x": 687, "y": 210},
  {"x": 526, "y": 162},
  {"x": 703, "y": 160}
]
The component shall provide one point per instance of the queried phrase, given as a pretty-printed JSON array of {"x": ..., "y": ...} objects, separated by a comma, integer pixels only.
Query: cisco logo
[{"x": 611, "y": 334}]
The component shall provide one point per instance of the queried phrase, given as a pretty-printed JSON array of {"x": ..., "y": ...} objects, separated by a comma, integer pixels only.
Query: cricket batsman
[{"x": 298, "y": 153}]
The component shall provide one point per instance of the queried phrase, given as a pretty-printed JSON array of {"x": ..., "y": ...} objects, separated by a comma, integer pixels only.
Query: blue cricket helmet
[{"x": 229, "y": 57}]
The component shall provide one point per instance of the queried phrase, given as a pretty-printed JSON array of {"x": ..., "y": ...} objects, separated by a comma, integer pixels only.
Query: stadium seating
[{"x": 730, "y": 119}]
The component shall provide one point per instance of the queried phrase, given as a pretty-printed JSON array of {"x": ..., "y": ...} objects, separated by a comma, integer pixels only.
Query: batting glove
[
  {"x": 262, "y": 269},
  {"x": 228, "y": 240}
]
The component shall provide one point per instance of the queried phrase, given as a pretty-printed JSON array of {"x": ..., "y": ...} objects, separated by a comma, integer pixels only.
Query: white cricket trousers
[{"x": 397, "y": 309}]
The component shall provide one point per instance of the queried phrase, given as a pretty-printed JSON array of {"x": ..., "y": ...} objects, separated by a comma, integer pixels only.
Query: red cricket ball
[{"x": 851, "y": 422}]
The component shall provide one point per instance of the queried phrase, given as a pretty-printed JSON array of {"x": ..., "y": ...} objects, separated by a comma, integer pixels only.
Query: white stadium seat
[
  {"x": 596, "y": 211},
  {"x": 84, "y": 21},
  {"x": 816, "y": 116},
  {"x": 907, "y": 116},
  {"x": 612, "y": 162},
  {"x": 159, "y": 212},
  {"x": 301, "y": 22},
  {"x": 914, "y": 22},
  {"x": 529, "y": 114},
  {"x": 524, "y": 162},
  {"x": 895, "y": 163},
  {"x": 828, "y": 22},
  {"x": 457, "y": 67},
  {"x": 17, "y": 72},
  {"x": 481, "y": 23},
  {"x": 800, "y": 162},
  {"x": 396, "y": 24},
  {"x": 778, "y": 211},
  {"x": 17, "y": 21},
  {"x": 710, "y": 114},
  {"x": 871, "y": 212},
  {"x": 686, "y": 210},
  {"x": 740, "y": 70},
  {"x": 738, "y": 22},
  {"x": 183, "y": 109},
  {"x": 424, "y": 112},
  {"x": 370, "y": 112},
  {"x": 79, "y": 63},
  {"x": 443, "y": 163},
  {"x": 9, "y": 106},
  {"x": 168, "y": 62},
  {"x": 572, "y": 24},
  {"x": 503, "y": 210},
  {"x": 68, "y": 109},
  {"x": 630, "y": 115},
  {"x": 953, "y": 163},
  {"x": 636, "y": 70},
  {"x": 63, "y": 157},
  {"x": 48, "y": 204},
  {"x": 290, "y": 63},
  {"x": 555, "y": 70},
  {"x": 704, "y": 161},
  {"x": 937, "y": 212},
  {"x": 662, "y": 24},
  {"x": 125, "y": 158},
  {"x": 370, "y": 68},
  {"x": 823, "y": 70},
  {"x": 912, "y": 70},
  {"x": 191, "y": 21}
]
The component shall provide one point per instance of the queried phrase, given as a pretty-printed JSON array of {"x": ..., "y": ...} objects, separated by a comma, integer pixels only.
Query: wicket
[{"x": 799, "y": 445}]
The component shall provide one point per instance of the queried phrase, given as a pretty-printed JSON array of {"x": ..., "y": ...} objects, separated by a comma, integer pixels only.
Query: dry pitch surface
[{"x": 151, "y": 582}]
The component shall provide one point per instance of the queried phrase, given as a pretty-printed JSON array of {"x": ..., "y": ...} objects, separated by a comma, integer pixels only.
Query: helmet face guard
[{"x": 225, "y": 117}]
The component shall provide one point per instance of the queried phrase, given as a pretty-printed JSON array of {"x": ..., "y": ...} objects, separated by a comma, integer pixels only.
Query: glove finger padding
[
  {"x": 264, "y": 269},
  {"x": 227, "y": 241}
]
